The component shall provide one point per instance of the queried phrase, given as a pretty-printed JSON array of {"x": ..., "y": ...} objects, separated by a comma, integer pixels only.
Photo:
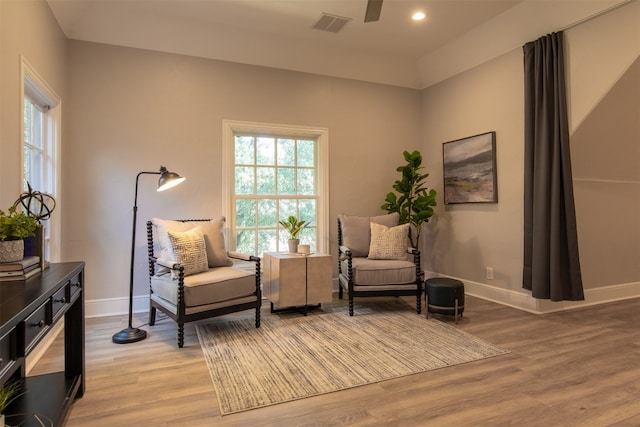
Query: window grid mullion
[{"x": 295, "y": 196}]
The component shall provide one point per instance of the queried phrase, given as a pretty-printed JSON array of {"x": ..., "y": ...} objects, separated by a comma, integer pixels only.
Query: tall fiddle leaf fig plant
[{"x": 413, "y": 201}]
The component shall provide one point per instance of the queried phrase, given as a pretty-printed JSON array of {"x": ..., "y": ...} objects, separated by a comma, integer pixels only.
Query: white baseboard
[
  {"x": 522, "y": 300},
  {"x": 115, "y": 306}
]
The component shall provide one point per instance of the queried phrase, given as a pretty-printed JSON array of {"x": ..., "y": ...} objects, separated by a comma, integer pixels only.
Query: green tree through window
[{"x": 273, "y": 177}]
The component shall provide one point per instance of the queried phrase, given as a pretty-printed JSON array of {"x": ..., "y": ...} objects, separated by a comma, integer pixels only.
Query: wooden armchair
[
  {"x": 192, "y": 276},
  {"x": 375, "y": 260}
]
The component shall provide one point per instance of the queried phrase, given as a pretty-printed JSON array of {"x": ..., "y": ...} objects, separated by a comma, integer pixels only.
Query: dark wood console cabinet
[{"x": 28, "y": 310}]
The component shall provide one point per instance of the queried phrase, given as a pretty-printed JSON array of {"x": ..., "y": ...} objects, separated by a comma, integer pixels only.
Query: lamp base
[{"x": 129, "y": 335}]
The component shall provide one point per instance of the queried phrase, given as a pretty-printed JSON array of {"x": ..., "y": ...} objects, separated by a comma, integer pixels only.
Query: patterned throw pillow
[
  {"x": 356, "y": 232},
  {"x": 188, "y": 249},
  {"x": 389, "y": 242},
  {"x": 213, "y": 238}
]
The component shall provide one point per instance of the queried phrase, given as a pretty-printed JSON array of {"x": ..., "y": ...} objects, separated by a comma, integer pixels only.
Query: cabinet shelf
[
  {"x": 46, "y": 398},
  {"x": 28, "y": 312}
]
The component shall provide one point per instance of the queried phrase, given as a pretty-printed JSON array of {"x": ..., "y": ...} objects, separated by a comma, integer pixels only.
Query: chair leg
[
  {"x": 419, "y": 303},
  {"x": 340, "y": 292},
  {"x": 258, "y": 316},
  {"x": 180, "y": 335},
  {"x": 350, "y": 305},
  {"x": 152, "y": 315}
]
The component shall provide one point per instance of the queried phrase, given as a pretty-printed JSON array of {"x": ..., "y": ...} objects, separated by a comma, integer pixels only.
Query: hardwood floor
[{"x": 576, "y": 368}]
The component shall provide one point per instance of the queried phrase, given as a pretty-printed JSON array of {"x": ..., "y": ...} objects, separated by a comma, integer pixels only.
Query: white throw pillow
[
  {"x": 188, "y": 249},
  {"x": 388, "y": 242}
]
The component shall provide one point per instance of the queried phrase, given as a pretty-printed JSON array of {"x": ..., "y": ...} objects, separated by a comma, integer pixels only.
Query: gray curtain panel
[{"x": 551, "y": 259}]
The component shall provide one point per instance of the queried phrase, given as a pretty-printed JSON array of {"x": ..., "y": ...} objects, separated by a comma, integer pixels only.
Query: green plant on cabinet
[{"x": 16, "y": 225}]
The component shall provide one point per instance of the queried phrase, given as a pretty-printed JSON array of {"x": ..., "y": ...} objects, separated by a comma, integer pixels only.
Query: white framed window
[
  {"x": 272, "y": 171},
  {"x": 34, "y": 148},
  {"x": 41, "y": 148}
]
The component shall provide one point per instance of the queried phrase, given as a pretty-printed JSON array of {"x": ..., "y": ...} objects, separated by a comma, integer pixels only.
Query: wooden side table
[{"x": 292, "y": 280}]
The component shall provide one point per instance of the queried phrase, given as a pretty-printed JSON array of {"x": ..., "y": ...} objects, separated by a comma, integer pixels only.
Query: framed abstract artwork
[{"x": 469, "y": 167}]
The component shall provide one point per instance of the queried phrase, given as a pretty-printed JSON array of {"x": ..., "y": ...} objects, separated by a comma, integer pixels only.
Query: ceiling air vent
[{"x": 331, "y": 23}]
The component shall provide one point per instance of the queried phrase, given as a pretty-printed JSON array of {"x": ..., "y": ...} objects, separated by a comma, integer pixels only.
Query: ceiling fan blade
[{"x": 373, "y": 10}]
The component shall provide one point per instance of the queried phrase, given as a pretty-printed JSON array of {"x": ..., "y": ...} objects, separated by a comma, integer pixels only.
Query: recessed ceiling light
[{"x": 418, "y": 16}]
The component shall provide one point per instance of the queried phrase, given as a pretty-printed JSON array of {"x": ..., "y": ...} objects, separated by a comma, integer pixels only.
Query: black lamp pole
[{"x": 166, "y": 181}]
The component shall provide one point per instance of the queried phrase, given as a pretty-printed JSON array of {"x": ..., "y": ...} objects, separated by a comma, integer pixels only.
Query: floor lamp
[{"x": 166, "y": 181}]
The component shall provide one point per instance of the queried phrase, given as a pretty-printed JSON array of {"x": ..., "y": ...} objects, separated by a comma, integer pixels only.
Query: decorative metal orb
[{"x": 36, "y": 204}]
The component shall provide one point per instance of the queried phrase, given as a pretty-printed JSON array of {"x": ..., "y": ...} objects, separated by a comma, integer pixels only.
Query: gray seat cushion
[
  {"x": 213, "y": 286},
  {"x": 374, "y": 272}
]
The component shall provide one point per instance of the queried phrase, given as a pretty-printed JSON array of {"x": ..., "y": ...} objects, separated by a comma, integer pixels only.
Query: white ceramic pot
[
  {"x": 11, "y": 250},
  {"x": 304, "y": 249}
]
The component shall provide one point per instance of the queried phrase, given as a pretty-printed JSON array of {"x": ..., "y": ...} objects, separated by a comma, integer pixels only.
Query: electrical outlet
[{"x": 490, "y": 273}]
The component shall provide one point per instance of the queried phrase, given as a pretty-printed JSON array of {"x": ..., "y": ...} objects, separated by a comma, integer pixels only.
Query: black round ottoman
[{"x": 444, "y": 296}]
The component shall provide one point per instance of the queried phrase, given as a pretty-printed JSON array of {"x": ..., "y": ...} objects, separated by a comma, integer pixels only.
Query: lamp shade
[{"x": 168, "y": 179}]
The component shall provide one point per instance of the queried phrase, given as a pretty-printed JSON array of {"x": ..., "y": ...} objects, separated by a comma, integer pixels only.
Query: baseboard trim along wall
[
  {"x": 522, "y": 300},
  {"x": 519, "y": 300},
  {"x": 115, "y": 306}
]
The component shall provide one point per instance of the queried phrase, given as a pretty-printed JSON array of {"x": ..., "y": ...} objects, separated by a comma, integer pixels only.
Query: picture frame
[{"x": 469, "y": 169}]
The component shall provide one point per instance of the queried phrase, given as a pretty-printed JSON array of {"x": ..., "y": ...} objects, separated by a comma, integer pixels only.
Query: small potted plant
[
  {"x": 294, "y": 226},
  {"x": 14, "y": 228},
  {"x": 9, "y": 392}
]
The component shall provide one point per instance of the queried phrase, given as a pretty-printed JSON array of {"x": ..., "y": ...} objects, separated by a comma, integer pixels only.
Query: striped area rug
[{"x": 292, "y": 356}]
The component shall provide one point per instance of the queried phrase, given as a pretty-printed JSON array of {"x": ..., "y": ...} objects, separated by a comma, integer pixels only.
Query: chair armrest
[
  {"x": 167, "y": 263},
  {"x": 415, "y": 253},
  {"x": 345, "y": 252},
  {"x": 345, "y": 249},
  {"x": 256, "y": 267},
  {"x": 242, "y": 256}
]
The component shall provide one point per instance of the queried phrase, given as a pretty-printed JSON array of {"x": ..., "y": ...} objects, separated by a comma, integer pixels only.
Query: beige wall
[
  {"x": 463, "y": 240},
  {"x": 134, "y": 110},
  {"x": 605, "y": 146},
  {"x": 27, "y": 28},
  {"x": 606, "y": 158}
]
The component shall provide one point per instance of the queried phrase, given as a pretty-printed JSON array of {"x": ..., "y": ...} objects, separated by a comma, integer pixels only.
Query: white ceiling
[{"x": 457, "y": 34}]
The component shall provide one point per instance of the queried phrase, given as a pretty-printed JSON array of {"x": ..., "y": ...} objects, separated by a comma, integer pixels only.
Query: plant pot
[
  {"x": 293, "y": 245},
  {"x": 11, "y": 250}
]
